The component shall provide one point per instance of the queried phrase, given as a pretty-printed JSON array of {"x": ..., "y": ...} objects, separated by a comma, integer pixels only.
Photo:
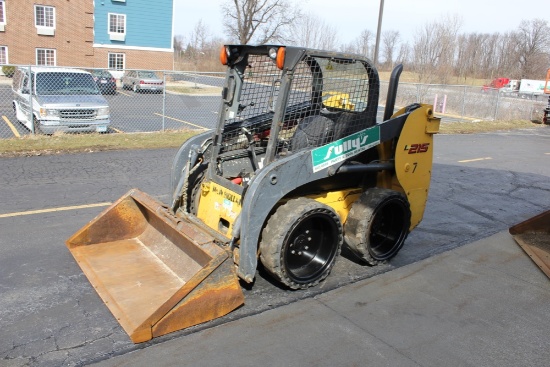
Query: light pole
[{"x": 377, "y": 44}]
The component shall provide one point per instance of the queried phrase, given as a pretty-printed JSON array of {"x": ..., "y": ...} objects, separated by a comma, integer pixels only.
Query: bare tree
[
  {"x": 433, "y": 51},
  {"x": 461, "y": 64},
  {"x": 179, "y": 43},
  {"x": 364, "y": 43},
  {"x": 348, "y": 48},
  {"x": 312, "y": 32},
  {"x": 404, "y": 53},
  {"x": 390, "y": 39},
  {"x": 199, "y": 36},
  {"x": 508, "y": 56},
  {"x": 198, "y": 51},
  {"x": 194, "y": 53},
  {"x": 179, "y": 47},
  {"x": 259, "y": 21},
  {"x": 533, "y": 38},
  {"x": 470, "y": 51}
]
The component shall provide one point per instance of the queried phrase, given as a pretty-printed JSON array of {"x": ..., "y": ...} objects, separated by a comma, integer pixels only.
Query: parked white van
[{"x": 61, "y": 99}]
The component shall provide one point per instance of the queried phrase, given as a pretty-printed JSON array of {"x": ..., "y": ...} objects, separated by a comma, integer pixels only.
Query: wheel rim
[
  {"x": 310, "y": 248},
  {"x": 388, "y": 230}
]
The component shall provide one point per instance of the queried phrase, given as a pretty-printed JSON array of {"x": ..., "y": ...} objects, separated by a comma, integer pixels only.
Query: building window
[
  {"x": 2, "y": 12},
  {"x": 117, "y": 26},
  {"x": 44, "y": 19},
  {"x": 44, "y": 16},
  {"x": 3, "y": 55},
  {"x": 2, "y": 15},
  {"x": 116, "y": 61},
  {"x": 45, "y": 57}
]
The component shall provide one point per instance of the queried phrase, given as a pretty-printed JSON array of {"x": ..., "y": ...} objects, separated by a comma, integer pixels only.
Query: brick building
[{"x": 114, "y": 34}]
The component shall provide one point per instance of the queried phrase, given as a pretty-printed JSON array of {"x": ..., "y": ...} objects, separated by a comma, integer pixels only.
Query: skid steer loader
[{"x": 298, "y": 165}]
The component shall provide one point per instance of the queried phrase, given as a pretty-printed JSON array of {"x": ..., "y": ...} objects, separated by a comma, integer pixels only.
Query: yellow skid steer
[{"x": 299, "y": 165}]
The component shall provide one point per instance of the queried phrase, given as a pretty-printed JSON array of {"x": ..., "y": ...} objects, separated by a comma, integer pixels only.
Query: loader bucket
[
  {"x": 533, "y": 235},
  {"x": 156, "y": 273}
]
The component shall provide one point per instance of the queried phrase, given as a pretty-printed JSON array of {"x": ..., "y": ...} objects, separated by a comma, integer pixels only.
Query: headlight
[
  {"x": 103, "y": 111},
  {"x": 48, "y": 112},
  {"x": 273, "y": 53}
]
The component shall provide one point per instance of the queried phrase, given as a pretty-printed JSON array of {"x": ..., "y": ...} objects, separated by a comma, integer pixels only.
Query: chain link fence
[
  {"x": 50, "y": 100},
  {"x": 471, "y": 103}
]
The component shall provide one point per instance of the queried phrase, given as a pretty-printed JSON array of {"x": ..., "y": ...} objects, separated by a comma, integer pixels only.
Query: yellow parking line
[
  {"x": 475, "y": 160},
  {"x": 117, "y": 130},
  {"x": 50, "y": 210},
  {"x": 13, "y": 129},
  {"x": 125, "y": 93},
  {"x": 185, "y": 122}
]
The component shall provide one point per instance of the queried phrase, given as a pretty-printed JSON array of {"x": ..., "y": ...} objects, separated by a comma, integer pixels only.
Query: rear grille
[{"x": 87, "y": 114}]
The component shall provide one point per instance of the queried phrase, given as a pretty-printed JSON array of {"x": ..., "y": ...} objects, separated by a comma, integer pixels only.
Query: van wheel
[
  {"x": 377, "y": 225},
  {"x": 36, "y": 126},
  {"x": 301, "y": 242}
]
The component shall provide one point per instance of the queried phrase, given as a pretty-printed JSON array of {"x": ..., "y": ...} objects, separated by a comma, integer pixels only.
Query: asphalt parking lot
[
  {"x": 50, "y": 316},
  {"x": 133, "y": 112}
]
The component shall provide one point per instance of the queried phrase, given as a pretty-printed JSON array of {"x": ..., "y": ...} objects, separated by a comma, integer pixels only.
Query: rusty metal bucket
[
  {"x": 533, "y": 235},
  {"x": 156, "y": 273}
]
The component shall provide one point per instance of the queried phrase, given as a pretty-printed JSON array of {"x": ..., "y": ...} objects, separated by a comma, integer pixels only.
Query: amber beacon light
[{"x": 223, "y": 55}]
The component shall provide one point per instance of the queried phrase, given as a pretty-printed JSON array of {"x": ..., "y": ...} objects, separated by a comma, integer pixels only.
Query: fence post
[
  {"x": 31, "y": 82},
  {"x": 163, "y": 98},
  {"x": 463, "y": 102},
  {"x": 496, "y": 106}
]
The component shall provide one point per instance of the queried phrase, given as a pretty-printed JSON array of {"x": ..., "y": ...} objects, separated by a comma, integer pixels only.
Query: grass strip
[{"x": 30, "y": 145}]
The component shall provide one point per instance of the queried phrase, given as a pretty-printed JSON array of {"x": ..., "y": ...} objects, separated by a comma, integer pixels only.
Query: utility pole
[{"x": 377, "y": 45}]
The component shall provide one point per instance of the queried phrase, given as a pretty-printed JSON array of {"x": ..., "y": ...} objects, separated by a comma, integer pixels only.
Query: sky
[{"x": 351, "y": 17}]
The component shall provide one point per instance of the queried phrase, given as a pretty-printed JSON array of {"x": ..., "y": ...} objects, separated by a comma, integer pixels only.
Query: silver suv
[{"x": 47, "y": 100}]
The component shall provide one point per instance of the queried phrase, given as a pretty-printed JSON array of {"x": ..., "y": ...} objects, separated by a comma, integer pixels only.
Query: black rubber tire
[
  {"x": 377, "y": 225},
  {"x": 194, "y": 190},
  {"x": 301, "y": 242}
]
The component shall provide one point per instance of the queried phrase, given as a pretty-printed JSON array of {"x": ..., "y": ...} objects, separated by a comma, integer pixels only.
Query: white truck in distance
[{"x": 524, "y": 88}]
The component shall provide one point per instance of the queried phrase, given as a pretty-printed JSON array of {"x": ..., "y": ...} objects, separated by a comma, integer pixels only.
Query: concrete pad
[
  {"x": 305, "y": 333},
  {"x": 482, "y": 304}
]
